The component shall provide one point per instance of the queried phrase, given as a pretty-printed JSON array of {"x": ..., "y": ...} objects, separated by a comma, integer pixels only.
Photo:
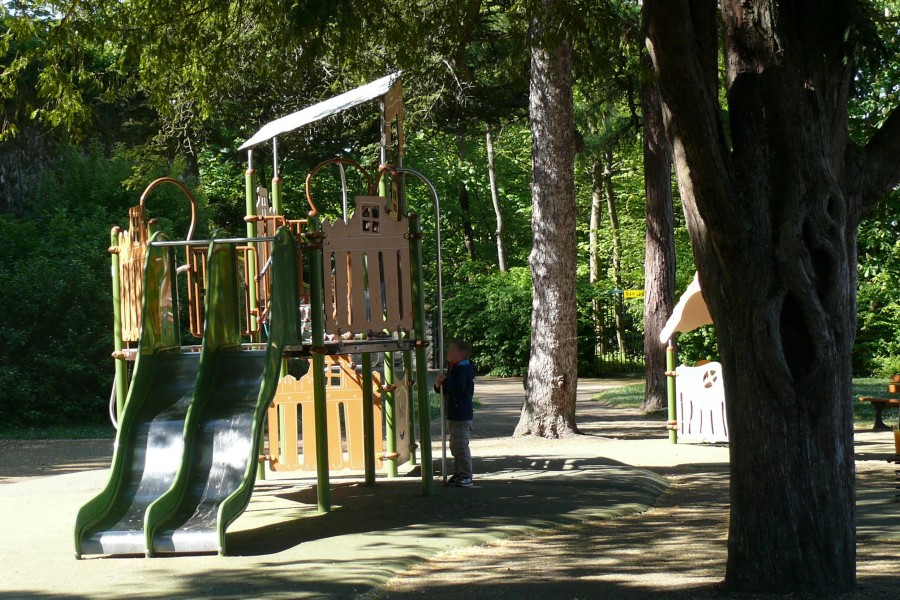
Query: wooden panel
[
  {"x": 401, "y": 419},
  {"x": 294, "y": 398},
  {"x": 392, "y": 286},
  {"x": 356, "y": 321},
  {"x": 371, "y": 232}
]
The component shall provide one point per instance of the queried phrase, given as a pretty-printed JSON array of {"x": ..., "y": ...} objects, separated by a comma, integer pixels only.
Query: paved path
[
  {"x": 282, "y": 547},
  {"x": 535, "y": 526}
]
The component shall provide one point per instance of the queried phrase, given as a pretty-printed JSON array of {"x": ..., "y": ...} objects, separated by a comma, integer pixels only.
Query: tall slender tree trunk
[
  {"x": 495, "y": 198},
  {"x": 659, "y": 261},
  {"x": 596, "y": 211},
  {"x": 549, "y": 408},
  {"x": 613, "y": 212},
  {"x": 468, "y": 234},
  {"x": 772, "y": 205}
]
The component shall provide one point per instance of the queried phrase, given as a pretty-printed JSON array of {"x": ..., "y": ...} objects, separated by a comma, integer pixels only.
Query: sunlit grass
[{"x": 92, "y": 431}]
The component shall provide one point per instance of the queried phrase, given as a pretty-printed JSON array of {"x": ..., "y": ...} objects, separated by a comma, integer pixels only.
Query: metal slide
[
  {"x": 148, "y": 445},
  {"x": 226, "y": 418}
]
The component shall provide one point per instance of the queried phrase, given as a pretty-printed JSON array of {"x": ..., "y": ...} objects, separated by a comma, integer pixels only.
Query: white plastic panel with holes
[
  {"x": 700, "y": 403},
  {"x": 367, "y": 272}
]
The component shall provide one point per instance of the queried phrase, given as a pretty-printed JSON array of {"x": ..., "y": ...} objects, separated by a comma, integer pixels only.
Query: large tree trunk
[
  {"x": 468, "y": 234},
  {"x": 772, "y": 212},
  {"x": 659, "y": 261},
  {"x": 549, "y": 408},
  {"x": 495, "y": 199},
  {"x": 612, "y": 210}
]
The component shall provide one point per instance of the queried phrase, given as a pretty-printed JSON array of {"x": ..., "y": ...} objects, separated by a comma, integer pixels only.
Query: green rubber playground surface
[{"x": 282, "y": 547}]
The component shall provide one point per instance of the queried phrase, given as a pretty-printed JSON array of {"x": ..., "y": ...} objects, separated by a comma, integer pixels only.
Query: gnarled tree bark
[
  {"x": 549, "y": 408},
  {"x": 773, "y": 215},
  {"x": 659, "y": 261}
]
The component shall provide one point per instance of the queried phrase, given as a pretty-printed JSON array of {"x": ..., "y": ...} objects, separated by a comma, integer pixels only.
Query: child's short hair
[{"x": 463, "y": 346}]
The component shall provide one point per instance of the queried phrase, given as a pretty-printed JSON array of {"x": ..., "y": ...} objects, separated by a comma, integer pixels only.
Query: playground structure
[
  {"x": 696, "y": 394},
  {"x": 192, "y": 418}
]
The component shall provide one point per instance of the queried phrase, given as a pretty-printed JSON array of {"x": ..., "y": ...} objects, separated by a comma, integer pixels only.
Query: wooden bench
[{"x": 880, "y": 404}]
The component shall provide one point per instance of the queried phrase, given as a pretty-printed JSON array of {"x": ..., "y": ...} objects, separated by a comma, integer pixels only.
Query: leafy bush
[
  {"x": 492, "y": 311},
  {"x": 55, "y": 296}
]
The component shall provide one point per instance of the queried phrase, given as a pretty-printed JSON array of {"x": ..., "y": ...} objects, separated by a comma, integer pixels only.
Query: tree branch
[{"x": 880, "y": 165}]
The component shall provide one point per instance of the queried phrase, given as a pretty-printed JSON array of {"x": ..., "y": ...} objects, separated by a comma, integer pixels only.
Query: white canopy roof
[
  {"x": 329, "y": 107},
  {"x": 689, "y": 314}
]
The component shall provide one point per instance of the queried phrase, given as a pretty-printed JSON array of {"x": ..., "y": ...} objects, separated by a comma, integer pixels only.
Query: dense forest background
[{"x": 95, "y": 107}]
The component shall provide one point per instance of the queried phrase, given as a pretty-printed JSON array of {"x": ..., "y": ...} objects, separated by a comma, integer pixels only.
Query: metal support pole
[
  {"x": 670, "y": 390},
  {"x": 418, "y": 294},
  {"x": 276, "y": 180},
  {"x": 121, "y": 382},
  {"x": 316, "y": 298},
  {"x": 368, "y": 418},
  {"x": 250, "y": 209},
  {"x": 411, "y": 409},
  {"x": 388, "y": 401}
]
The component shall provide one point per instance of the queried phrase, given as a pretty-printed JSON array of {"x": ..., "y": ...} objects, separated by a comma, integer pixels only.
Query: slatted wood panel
[
  {"x": 293, "y": 447},
  {"x": 132, "y": 247},
  {"x": 367, "y": 271}
]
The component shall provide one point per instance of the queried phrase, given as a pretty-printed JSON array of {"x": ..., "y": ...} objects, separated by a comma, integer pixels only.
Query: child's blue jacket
[{"x": 459, "y": 388}]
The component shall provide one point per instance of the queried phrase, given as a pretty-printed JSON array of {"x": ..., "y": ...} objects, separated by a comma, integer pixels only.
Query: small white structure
[
  {"x": 700, "y": 403},
  {"x": 699, "y": 391}
]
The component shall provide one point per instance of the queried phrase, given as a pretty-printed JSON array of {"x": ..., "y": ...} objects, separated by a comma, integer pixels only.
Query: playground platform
[{"x": 283, "y": 548}]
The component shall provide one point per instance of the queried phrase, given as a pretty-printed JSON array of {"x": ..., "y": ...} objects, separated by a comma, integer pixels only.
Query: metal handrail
[{"x": 244, "y": 240}]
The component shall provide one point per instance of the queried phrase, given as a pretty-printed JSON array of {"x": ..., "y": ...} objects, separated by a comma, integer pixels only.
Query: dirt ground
[{"x": 677, "y": 549}]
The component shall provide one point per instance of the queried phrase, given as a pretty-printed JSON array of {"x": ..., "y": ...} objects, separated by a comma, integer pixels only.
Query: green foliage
[
  {"x": 90, "y": 431},
  {"x": 55, "y": 299},
  {"x": 699, "y": 344},
  {"x": 492, "y": 312}
]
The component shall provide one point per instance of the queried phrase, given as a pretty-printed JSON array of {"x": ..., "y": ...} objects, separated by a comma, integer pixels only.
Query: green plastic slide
[
  {"x": 225, "y": 421},
  {"x": 148, "y": 446},
  {"x": 186, "y": 453}
]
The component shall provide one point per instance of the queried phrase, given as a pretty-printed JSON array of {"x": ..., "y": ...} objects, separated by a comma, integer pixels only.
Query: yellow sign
[{"x": 634, "y": 294}]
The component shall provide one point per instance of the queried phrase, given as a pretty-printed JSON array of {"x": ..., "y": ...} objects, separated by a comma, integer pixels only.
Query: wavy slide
[{"x": 187, "y": 449}]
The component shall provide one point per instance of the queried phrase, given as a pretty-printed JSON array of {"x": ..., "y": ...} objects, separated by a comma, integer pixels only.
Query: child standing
[{"x": 459, "y": 387}]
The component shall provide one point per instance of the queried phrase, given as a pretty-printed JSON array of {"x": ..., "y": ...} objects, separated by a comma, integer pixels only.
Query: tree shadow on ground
[{"x": 516, "y": 492}]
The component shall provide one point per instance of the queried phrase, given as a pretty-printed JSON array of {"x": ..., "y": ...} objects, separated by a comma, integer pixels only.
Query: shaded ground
[
  {"x": 281, "y": 547},
  {"x": 543, "y": 511},
  {"x": 677, "y": 549},
  {"x": 23, "y": 459}
]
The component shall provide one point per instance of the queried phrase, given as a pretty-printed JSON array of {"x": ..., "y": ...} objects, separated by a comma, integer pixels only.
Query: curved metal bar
[
  {"x": 183, "y": 188},
  {"x": 440, "y": 295},
  {"x": 313, "y": 211},
  {"x": 437, "y": 241},
  {"x": 344, "y": 201}
]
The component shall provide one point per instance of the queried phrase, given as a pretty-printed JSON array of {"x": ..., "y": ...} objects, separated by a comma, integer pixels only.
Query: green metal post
[
  {"x": 250, "y": 209},
  {"x": 411, "y": 410},
  {"x": 670, "y": 389},
  {"x": 121, "y": 380},
  {"x": 388, "y": 401},
  {"x": 368, "y": 419},
  {"x": 276, "y": 196},
  {"x": 316, "y": 300},
  {"x": 418, "y": 294}
]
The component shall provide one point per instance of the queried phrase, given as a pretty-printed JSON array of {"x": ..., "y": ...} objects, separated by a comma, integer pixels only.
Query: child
[{"x": 459, "y": 387}]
